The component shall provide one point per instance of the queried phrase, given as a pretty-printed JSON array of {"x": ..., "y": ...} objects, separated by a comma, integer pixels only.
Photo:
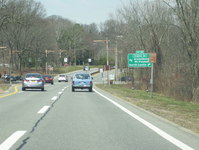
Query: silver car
[{"x": 33, "y": 81}]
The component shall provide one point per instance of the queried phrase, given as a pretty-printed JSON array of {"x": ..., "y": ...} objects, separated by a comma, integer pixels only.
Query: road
[{"x": 59, "y": 119}]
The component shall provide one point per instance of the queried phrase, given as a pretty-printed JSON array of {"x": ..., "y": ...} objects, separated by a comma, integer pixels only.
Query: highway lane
[
  {"x": 82, "y": 120},
  {"x": 20, "y": 111}
]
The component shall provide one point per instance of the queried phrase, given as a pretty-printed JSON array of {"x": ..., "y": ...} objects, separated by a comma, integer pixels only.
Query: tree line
[
  {"x": 170, "y": 28},
  {"x": 27, "y": 33}
]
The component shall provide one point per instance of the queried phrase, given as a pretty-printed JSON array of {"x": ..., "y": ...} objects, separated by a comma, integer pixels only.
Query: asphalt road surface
[{"x": 59, "y": 119}]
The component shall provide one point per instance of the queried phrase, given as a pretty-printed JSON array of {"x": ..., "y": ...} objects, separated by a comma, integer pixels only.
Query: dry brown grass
[
  {"x": 183, "y": 113},
  {"x": 3, "y": 87}
]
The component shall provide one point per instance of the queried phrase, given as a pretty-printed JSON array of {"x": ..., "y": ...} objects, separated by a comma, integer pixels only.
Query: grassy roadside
[
  {"x": 185, "y": 114},
  {"x": 70, "y": 69},
  {"x": 67, "y": 69},
  {"x": 3, "y": 87}
]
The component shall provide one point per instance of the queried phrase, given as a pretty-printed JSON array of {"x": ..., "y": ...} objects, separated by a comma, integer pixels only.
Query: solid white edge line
[
  {"x": 43, "y": 110},
  {"x": 149, "y": 125},
  {"x": 9, "y": 142}
]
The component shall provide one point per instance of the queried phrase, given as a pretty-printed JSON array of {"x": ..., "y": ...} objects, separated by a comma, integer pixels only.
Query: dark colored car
[
  {"x": 8, "y": 78},
  {"x": 20, "y": 78},
  {"x": 48, "y": 79},
  {"x": 126, "y": 78}
]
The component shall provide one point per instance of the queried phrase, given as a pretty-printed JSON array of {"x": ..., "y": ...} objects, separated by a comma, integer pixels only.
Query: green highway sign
[
  {"x": 139, "y": 59},
  {"x": 139, "y": 52}
]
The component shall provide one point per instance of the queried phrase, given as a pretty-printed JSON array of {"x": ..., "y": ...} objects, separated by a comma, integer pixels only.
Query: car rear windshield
[
  {"x": 47, "y": 76},
  {"x": 82, "y": 76},
  {"x": 62, "y": 75},
  {"x": 33, "y": 76}
]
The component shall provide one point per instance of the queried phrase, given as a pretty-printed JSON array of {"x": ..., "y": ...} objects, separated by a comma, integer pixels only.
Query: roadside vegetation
[
  {"x": 180, "y": 112},
  {"x": 30, "y": 39},
  {"x": 60, "y": 70},
  {"x": 3, "y": 87}
]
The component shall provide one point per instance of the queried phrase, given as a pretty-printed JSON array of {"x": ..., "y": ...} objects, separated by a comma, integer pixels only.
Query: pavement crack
[{"x": 33, "y": 129}]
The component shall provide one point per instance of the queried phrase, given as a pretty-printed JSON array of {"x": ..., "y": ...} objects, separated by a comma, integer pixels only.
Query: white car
[
  {"x": 62, "y": 77},
  {"x": 86, "y": 68}
]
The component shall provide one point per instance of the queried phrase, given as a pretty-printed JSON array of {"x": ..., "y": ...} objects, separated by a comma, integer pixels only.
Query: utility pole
[
  {"x": 60, "y": 57},
  {"x": 10, "y": 66},
  {"x": 46, "y": 61},
  {"x": 107, "y": 63},
  {"x": 52, "y": 51},
  {"x": 107, "y": 55},
  {"x": 116, "y": 61},
  {"x": 116, "y": 57},
  {"x": 4, "y": 48}
]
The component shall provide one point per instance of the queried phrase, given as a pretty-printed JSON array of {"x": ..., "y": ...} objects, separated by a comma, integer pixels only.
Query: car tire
[
  {"x": 23, "y": 89},
  {"x": 52, "y": 83},
  {"x": 90, "y": 89},
  {"x": 42, "y": 89},
  {"x": 73, "y": 89}
]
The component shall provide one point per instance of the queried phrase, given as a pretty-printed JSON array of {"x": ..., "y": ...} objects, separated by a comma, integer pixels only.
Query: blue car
[{"x": 82, "y": 81}]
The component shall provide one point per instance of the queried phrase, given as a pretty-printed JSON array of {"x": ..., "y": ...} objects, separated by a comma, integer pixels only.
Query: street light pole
[{"x": 116, "y": 61}]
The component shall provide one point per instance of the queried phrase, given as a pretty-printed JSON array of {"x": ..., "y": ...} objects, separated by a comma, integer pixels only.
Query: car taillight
[
  {"x": 40, "y": 80},
  {"x": 26, "y": 80},
  {"x": 73, "y": 82},
  {"x": 91, "y": 83}
]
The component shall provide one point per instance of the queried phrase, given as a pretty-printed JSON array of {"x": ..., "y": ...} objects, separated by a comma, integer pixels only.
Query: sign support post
[
  {"x": 66, "y": 61},
  {"x": 151, "y": 81},
  {"x": 143, "y": 60},
  {"x": 153, "y": 60}
]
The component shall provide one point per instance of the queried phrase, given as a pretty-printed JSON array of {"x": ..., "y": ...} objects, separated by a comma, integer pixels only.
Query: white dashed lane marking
[
  {"x": 54, "y": 98},
  {"x": 43, "y": 110},
  {"x": 7, "y": 144}
]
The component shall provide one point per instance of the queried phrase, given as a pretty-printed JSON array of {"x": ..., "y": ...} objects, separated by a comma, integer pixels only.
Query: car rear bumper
[
  {"x": 39, "y": 85},
  {"x": 49, "y": 81},
  {"x": 82, "y": 86}
]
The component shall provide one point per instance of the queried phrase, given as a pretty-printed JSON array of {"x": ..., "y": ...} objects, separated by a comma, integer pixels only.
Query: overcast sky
[{"x": 82, "y": 11}]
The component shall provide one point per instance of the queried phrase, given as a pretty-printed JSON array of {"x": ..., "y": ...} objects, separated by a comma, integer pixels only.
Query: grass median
[{"x": 183, "y": 113}]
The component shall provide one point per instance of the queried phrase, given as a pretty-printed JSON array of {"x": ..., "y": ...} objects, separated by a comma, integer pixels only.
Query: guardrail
[{"x": 92, "y": 72}]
